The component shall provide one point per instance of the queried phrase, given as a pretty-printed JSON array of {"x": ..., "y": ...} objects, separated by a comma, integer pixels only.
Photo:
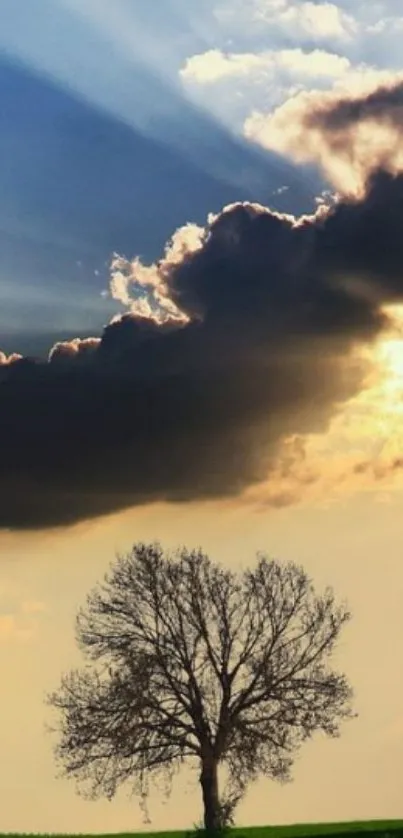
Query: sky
[{"x": 201, "y": 342}]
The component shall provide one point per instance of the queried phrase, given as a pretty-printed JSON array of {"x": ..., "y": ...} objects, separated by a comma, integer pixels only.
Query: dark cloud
[
  {"x": 364, "y": 238},
  {"x": 384, "y": 103},
  {"x": 271, "y": 307}
]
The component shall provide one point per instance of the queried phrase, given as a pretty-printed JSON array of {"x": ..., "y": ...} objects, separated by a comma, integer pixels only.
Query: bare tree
[{"x": 196, "y": 661}]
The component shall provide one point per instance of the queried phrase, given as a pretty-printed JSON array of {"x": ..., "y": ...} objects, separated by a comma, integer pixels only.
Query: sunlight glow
[
  {"x": 361, "y": 450},
  {"x": 390, "y": 349},
  {"x": 392, "y": 352}
]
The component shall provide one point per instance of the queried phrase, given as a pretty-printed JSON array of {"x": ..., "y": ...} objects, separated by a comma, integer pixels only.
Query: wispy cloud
[
  {"x": 301, "y": 21},
  {"x": 319, "y": 21}
]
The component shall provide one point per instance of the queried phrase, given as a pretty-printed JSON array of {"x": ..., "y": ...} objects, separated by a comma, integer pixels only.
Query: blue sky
[{"x": 103, "y": 151}]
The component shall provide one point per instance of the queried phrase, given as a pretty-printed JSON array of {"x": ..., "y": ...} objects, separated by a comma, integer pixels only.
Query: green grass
[{"x": 305, "y": 830}]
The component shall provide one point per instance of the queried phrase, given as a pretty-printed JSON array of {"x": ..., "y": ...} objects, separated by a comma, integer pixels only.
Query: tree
[{"x": 191, "y": 660}]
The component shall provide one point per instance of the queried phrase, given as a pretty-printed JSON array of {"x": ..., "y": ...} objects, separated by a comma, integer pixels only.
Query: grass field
[{"x": 372, "y": 829}]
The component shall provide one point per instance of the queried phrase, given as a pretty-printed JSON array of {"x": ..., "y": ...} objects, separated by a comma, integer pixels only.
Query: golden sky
[{"x": 353, "y": 544}]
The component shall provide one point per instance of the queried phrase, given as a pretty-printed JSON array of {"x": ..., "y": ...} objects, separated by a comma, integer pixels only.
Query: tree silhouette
[{"x": 191, "y": 660}]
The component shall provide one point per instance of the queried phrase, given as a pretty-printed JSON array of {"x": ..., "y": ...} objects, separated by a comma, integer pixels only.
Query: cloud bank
[{"x": 246, "y": 332}]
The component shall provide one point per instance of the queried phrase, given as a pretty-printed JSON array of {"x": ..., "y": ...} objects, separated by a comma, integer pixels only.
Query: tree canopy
[{"x": 188, "y": 660}]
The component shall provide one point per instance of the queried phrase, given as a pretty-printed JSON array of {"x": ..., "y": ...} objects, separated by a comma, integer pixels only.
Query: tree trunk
[{"x": 211, "y": 800}]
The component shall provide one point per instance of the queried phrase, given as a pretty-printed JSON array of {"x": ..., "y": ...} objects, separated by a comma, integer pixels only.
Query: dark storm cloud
[{"x": 196, "y": 409}]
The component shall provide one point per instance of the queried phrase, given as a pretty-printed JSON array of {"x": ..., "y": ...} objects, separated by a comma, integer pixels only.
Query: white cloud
[
  {"x": 143, "y": 289},
  {"x": 235, "y": 84},
  {"x": 385, "y": 25},
  {"x": 214, "y": 65},
  {"x": 316, "y": 63},
  {"x": 318, "y": 21}
]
